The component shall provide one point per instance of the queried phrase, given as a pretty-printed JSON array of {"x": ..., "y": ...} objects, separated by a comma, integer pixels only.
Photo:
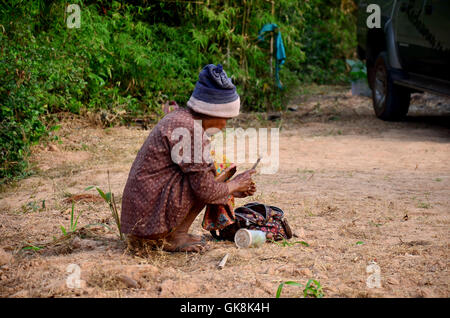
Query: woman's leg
[{"x": 180, "y": 240}]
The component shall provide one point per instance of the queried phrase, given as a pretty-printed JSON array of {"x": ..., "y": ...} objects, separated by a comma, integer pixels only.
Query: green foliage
[
  {"x": 358, "y": 70},
  {"x": 313, "y": 289},
  {"x": 32, "y": 248},
  {"x": 73, "y": 222},
  {"x": 33, "y": 206},
  {"x": 110, "y": 199},
  {"x": 285, "y": 243},
  {"x": 280, "y": 287},
  {"x": 129, "y": 57}
]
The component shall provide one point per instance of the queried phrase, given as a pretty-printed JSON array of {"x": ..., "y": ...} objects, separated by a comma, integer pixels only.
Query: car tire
[{"x": 390, "y": 101}]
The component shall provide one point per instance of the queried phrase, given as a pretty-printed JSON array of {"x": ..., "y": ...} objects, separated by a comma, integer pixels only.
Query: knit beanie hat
[{"x": 214, "y": 94}]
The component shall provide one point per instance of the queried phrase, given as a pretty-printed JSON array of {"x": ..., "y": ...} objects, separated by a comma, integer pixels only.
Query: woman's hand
[
  {"x": 246, "y": 193},
  {"x": 242, "y": 183}
]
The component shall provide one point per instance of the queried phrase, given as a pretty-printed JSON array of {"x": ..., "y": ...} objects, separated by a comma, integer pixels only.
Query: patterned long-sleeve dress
[{"x": 159, "y": 192}]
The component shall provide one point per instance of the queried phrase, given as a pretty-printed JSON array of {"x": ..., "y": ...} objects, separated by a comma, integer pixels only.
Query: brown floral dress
[{"x": 159, "y": 193}]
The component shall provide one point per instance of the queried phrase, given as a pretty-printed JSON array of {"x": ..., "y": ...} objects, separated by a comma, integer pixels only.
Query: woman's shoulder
[{"x": 180, "y": 117}]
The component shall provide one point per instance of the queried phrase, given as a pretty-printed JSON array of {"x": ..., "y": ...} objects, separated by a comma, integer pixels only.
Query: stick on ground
[{"x": 223, "y": 261}]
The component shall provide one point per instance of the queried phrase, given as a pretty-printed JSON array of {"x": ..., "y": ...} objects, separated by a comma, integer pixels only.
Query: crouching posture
[{"x": 173, "y": 177}]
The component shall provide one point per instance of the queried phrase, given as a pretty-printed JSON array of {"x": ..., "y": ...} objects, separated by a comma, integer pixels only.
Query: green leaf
[
  {"x": 71, "y": 216},
  {"x": 32, "y": 247},
  {"x": 102, "y": 194},
  {"x": 55, "y": 128},
  {"x": 280, "y": 287},
  {"x": 76, "y": 222},
  {"x": 315, "y": 291}
]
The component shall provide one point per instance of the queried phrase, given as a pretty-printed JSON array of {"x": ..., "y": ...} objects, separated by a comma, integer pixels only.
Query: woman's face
[{"x": 214, "y": 122}]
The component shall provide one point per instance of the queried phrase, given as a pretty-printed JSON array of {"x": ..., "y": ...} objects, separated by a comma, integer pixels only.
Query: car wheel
[{"x": 390, "y": 101}]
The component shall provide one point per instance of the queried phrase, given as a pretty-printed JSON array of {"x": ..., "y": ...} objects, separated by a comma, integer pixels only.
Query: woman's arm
[{"x": 207, "y": 189}]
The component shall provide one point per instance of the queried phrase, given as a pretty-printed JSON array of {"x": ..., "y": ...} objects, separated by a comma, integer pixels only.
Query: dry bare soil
[{"x": 356, "y": 189}]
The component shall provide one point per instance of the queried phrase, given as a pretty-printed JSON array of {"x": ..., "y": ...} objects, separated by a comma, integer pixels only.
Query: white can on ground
[{"x": 249, "y": 238}]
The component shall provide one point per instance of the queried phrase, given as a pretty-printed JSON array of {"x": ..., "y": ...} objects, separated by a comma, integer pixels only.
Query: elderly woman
[{"x": 162, "y": 196}]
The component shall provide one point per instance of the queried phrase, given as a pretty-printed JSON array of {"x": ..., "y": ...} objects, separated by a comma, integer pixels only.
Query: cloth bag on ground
[{"x": 257, "y": 216}]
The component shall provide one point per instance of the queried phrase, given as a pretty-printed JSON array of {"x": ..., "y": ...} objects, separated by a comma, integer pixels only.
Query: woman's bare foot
[
  {"x": 183, "y": 242},
  {"x": 197, "y": 238}
]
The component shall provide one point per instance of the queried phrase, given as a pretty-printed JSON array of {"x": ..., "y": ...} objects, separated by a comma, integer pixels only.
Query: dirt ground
[{"x": 356, "y": 189}]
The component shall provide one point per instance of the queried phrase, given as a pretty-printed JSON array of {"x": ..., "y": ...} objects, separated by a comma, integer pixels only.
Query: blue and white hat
[{"x": 214, "y": 94}]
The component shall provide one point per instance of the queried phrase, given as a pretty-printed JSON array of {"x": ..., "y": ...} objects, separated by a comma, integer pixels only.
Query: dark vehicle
[{"x": 408, "y": 52}]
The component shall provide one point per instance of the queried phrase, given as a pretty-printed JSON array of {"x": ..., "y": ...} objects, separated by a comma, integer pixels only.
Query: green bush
[{"x": 131, "y": 56}]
